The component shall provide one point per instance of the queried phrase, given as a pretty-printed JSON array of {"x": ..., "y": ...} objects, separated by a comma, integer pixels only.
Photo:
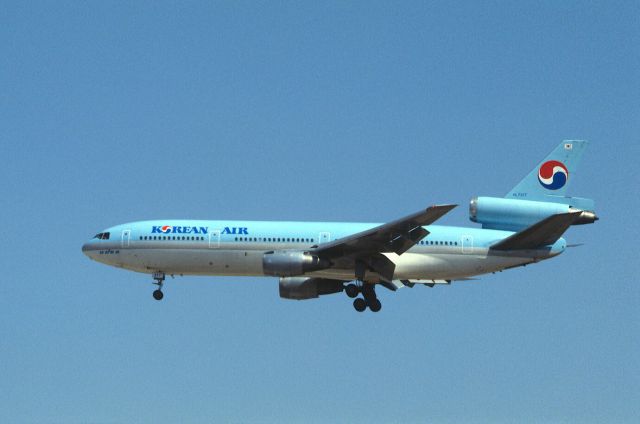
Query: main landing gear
[
  {"x": 368, "y": 299},
  {"x": 159, "y": 277}
]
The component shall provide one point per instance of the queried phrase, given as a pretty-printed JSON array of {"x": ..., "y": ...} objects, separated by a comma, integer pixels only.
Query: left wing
[
  {"x": 364, "y": 249},
  {"x": 398, "y": 284}
]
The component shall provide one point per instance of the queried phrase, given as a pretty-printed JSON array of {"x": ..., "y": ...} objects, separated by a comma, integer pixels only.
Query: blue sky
[{"x": 346, "y": 111}]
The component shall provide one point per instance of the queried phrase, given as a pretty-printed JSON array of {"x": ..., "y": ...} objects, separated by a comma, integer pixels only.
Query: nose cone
[{"x": 89, "y": 249}]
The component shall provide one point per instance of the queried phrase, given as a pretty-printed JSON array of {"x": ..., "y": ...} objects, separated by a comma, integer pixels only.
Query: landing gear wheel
[
  {"x": 158, "y": 295},
  {"x": 159, "y": 277},
  {"x": 352, "y": 290},
  {"x": 359, "y": 304},
  {"x": 375, "y": 305}
]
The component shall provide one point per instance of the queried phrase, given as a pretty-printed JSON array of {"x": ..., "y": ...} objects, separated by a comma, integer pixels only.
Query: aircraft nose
[{"x": 88, "y": 248}]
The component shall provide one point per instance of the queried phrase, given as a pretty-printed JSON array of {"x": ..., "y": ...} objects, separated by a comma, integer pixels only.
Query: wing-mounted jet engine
[
  {"x": 289, "y": 263},
  {"x": 300, "y": 288}
]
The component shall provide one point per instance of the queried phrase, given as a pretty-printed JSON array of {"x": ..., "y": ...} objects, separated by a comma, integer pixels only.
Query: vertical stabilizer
[{"x": 549, "y": 180}]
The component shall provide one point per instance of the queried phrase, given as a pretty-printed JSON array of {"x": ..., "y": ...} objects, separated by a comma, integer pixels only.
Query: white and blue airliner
[{"x": 313, "y": 259}]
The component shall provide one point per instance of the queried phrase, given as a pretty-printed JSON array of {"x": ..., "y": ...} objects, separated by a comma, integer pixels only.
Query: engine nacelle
[
  {"x": 514, "y": 214},
  {"x": 289, "y": 263},
  {"x": 300, "y": 288}
]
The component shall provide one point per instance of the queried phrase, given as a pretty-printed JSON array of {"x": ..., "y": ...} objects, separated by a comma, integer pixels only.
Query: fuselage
[{"x": 198, "y": 247}]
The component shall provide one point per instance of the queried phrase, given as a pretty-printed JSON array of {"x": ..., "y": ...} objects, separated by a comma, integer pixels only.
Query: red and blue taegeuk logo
[
  {"x": 553, "y": 175},
  {"x": 165, "y": 228}
]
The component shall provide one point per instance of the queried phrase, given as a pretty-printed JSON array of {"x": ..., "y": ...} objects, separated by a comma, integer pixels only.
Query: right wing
[
  {"x": 396, "y": 236},
  {"x": 362, "y": 251}
]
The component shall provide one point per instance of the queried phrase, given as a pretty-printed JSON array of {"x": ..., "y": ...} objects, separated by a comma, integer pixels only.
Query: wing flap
[{"x": 398, "y": 284}]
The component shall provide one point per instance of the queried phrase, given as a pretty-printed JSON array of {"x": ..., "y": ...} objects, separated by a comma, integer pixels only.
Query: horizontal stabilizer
[{"x": 540, "y": 234}]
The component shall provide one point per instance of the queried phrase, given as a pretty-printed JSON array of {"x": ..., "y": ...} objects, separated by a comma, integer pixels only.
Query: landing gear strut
[
  {"x": 159, "y": 277},
  {"x": 368, "y": 299}
]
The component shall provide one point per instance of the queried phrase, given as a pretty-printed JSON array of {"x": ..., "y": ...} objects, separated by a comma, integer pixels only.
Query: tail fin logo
[{"x": 553, "y": 175}]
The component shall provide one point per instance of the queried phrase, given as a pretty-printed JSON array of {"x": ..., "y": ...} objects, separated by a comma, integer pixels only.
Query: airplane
[{"x": 313, "y": 259}]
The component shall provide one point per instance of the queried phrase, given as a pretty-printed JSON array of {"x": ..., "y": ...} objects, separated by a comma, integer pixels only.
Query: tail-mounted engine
[{"x": 514, "y": 214}]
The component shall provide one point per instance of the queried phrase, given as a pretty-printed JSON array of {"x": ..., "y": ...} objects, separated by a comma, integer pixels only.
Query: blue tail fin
[{"x": 549, "y": 180}]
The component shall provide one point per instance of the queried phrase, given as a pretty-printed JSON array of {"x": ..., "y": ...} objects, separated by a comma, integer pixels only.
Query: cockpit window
[{"x": 102, "y": 236}]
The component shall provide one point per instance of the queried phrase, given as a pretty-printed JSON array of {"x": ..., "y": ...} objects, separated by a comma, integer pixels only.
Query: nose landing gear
[{"x": 159, "y": 277}]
